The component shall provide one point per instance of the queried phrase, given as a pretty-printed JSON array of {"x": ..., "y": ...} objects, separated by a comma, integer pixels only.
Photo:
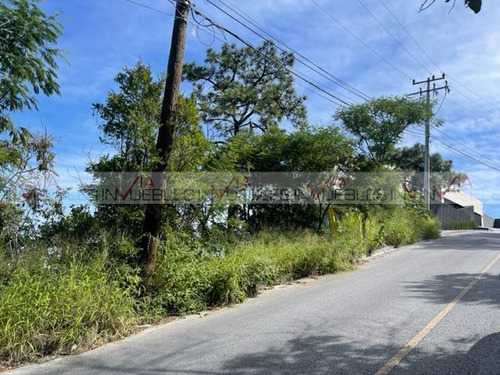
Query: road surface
[{"x": 430, "y": 308}]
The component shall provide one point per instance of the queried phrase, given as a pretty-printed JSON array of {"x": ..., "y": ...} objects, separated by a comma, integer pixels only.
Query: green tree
[
  {"x": 129, "y": 120},
  {"x": 28, "y": 61},
  {"x": 377, "y": 125},
  {"x": 129, "y": 124},
  {"x": 412, "y": 159},
  {"x": 28, "y": 65},
  {"x": 309, "y": 149},
  {"x": 241, "y": 88}
]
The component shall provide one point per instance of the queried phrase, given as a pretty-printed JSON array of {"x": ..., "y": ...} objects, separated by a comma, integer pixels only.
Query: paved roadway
[{"x": 350, "y": 323}]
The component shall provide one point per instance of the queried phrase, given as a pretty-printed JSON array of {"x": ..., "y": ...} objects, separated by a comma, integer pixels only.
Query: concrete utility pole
[
  {"x": 427, "y": 91},
  {"x": 153, "y": 218}
]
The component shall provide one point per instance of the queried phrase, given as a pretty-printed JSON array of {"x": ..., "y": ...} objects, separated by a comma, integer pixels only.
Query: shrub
[
  {"x": 430, "y": 228},
  {"x": 407, "y": 226}
]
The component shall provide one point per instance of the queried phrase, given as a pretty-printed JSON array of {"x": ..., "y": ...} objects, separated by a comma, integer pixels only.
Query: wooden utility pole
[
  {"x": 428, "y": 91},
  {"x": 154, "y": 216}
]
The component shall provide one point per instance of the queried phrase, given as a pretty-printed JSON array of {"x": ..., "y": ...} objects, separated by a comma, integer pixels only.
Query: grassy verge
[
  {"x": 191, "y": 279},
  {"x": 50, "y": 309}
]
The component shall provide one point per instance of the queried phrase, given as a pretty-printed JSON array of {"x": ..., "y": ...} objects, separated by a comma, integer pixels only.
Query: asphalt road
[{"x": 350, "y": 323}]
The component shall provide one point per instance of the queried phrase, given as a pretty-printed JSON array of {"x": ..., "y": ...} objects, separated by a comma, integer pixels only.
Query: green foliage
[
  {"x": 429, "y": 228},
  {"x": 378, "y": 125},
  {"x": 190, "y": 279},
  {"x": 57, "y": 309},
  {"x": 29, "y": 194},
  {"x": 309, "y": 149},
  {"x": 412, "y": 159},
  {"x": 130, "y": 120},
  {"x": 189, "y": 282},
  {"x": 246, "y": 88},
  {"x": 53, "y": 301},
  {"x": 130, "y": 124},
  {"x": 28, "y": 64},
  {"x": 28, "y": 59},
  {"x": 406, "y": 226},
  {"x": 462, "y": 225}
]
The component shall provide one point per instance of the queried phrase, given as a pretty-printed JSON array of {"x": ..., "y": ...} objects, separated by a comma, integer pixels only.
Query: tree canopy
[
  {"x": 246, "y": 87},
  {"x": 28, "y": 57},
  {"x": 28, "y": 64},
  {"x": 129, "y": 121},
  {"x": 412, "y": 159},
  {"x": 377, "y": 125}
]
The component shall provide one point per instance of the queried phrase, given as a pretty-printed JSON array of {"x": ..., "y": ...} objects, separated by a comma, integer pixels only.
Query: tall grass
[
  {"x": 186, "y": 282},
  {"x": 58, "y": 309},
  {"x": 462, "y": 225},
  {"x": 189, "y": 279}
]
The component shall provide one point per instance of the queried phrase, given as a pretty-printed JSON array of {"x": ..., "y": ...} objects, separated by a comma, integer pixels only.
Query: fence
[{"x": 448, "y": 214}]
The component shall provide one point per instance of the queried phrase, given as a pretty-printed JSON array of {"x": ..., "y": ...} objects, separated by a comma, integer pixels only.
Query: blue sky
[{"x": 372, "y": 50}]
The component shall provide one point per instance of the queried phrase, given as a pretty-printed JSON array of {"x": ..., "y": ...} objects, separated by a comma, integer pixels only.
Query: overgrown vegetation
[
  {"x": 462, "y": 225},
  {"x": 61, "y": 308},
  {"x": 70, "y": 278},
  {"x": 53, "y": 303}
]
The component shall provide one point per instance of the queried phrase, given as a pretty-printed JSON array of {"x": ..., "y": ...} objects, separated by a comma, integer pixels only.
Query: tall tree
[
  {"x": 28, "y": 58},
  {"x": 28, "y": 67},
  {"x": 378, "y": 125},
  {"x": 309, "y": 149},
  {"x": 130, "y": 119},
  {"x": 241, "y": 88},
  {"x": 129, "y": 124}
]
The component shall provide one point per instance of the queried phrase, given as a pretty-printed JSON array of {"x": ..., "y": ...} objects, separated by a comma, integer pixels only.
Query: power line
[
  {"x": 359, "y": 39},
  {"x": 411, "y": 36},
  {"x": 416, "y": 43},
  {"x": 464, "y": 145},
  {"x": 467, "y": 155},
  {"x": 419, "y": 46},
  {"x": 496, "y": 166},
  {"x": 473, "y": 92},
  {"x": 415, "y": 132},
  {"x": 197, "y": 11},
  {"x": 394, "y": 37},
  {"x": 328, "y": 76},
  {"x": 468, "y": 97},
  {"x": 440, "y": 105},
  {"x": 323, "y": 72},
  {"x": 149, "y": 7},
  {"x": 457, "y": 151},
  {"x": 326, "y": 95}
]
